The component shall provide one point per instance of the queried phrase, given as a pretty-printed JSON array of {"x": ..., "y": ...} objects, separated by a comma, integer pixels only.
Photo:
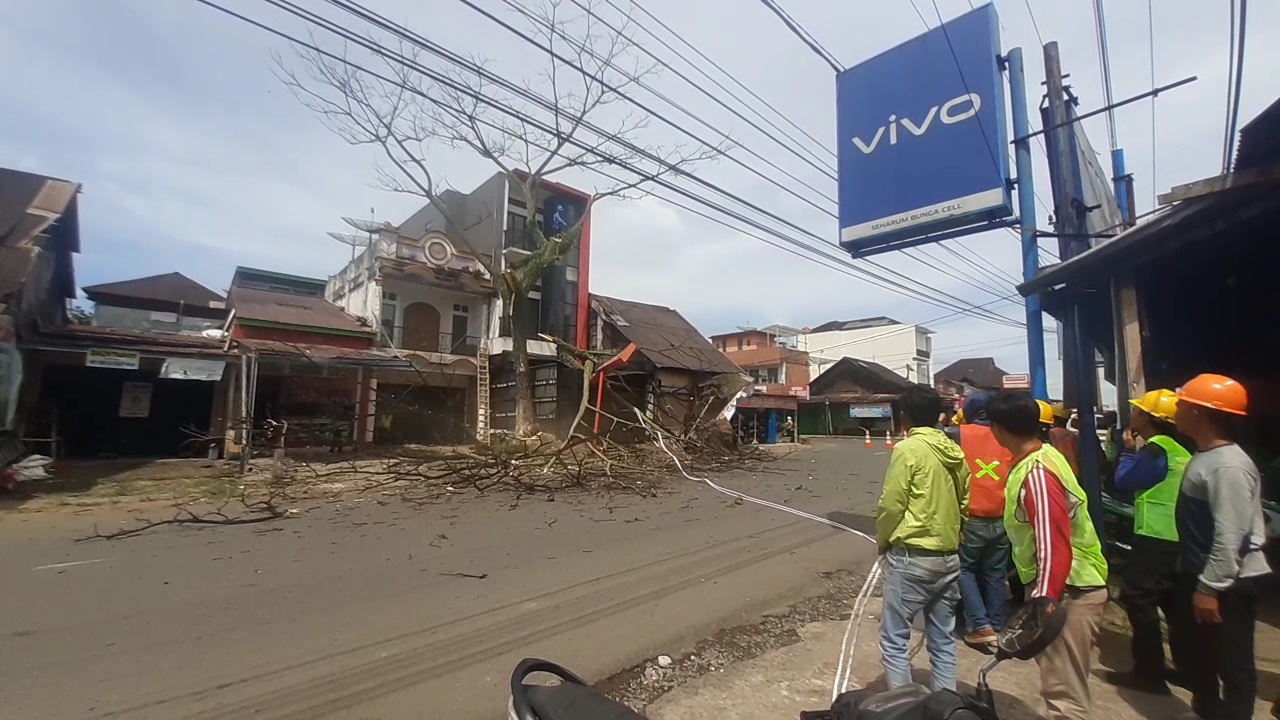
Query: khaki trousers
[{"x": 1064, "y": 665}]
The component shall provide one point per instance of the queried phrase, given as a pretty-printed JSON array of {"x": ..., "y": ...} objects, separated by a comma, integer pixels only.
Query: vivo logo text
[{"x": 949, "y": 113}]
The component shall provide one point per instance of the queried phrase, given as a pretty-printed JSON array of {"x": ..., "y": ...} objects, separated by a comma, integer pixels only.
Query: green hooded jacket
[{"x": 926, "y": 493}]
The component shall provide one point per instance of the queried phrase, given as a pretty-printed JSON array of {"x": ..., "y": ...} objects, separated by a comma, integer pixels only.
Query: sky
[{"x": 195, "y": 157}]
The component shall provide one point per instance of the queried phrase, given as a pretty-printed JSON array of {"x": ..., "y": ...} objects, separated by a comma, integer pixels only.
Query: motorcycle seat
[{"x": 568, "y": 701}]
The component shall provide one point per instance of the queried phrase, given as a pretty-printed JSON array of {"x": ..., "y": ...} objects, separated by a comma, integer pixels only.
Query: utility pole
[
  {"x": 1079, "y": 374},
  {"x": 1027, "y": 221}
]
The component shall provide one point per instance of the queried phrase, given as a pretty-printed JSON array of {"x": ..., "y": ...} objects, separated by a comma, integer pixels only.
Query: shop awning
[{"x": 324, "y": 355}]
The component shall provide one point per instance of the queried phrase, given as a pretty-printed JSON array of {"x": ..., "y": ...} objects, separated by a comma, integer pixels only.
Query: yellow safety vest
[
  {"x": 1155, "y": 509},
  {"x": 1088, "y": 565}
]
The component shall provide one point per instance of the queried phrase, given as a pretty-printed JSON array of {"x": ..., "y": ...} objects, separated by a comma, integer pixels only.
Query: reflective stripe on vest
[
  {"x": 1155, "y": 509},
  {"x": 989, "y": 465},
  {"x": 1088, "y": 566}
]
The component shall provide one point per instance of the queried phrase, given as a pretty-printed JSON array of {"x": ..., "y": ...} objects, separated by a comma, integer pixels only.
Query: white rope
[{"x": 849, "y": 644}]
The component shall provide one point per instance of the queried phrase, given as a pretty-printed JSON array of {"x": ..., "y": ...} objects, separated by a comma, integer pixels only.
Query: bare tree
[{"x": 569, "y": 117}]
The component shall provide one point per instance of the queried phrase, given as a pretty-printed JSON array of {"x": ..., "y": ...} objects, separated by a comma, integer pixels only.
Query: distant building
[
  {"x": 965, "y": 376},
  {"x": 769, "y": 358},
  {"x": 851, "y": 397},
  {"x": 277, "y": 282},
  {"x": 904, "y": 349},
  {"x": 172, "y": 303}
]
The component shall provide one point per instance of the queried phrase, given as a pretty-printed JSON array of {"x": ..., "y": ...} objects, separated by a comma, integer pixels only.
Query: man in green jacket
[{"x": 924, "y": 502}]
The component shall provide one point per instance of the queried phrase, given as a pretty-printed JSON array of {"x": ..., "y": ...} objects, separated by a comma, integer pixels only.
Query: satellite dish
[
  {"x": 214, "y": 334},
  {"x": 363, "y": 225},
  {"x": 354, "y": 241}
]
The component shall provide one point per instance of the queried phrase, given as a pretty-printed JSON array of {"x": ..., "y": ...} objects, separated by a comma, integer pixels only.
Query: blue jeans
[
  {"x": 984, "y": 564},
  {"x": 913, "y": 578}
]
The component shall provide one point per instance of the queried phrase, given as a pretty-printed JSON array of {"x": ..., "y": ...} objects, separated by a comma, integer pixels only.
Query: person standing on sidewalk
[
  {"x": 923, "y": 504},
  {"x": 1153, "y": 476},
  {"x": 1222, "y": 531},
  {"x": 1055, "y": 550},
  {"x": 984, "y": 547}
]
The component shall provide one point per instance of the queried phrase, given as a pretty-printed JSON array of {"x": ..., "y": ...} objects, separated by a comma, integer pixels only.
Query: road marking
[{"x": 70, "y": 564}]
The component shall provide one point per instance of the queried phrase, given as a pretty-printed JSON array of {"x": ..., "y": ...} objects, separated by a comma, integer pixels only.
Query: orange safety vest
[
  {"x": 1067, "y": 443},
  {"x": 989, "y": 465}
]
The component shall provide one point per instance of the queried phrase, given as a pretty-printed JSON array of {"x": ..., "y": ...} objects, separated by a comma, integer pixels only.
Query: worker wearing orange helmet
[
  {"x": 1152, "y": 475},
  {"x": 1221, "y": 532}
]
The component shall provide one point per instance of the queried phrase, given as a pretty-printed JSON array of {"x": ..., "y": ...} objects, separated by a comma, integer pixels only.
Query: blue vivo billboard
[{"x": 923, "y": 145}]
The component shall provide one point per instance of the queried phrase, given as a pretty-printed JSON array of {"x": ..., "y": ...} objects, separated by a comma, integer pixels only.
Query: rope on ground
[{"x": 844, "y": 668}]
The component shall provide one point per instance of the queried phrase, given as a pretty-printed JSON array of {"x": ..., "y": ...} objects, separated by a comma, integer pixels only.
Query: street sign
[
  {"x": 1019, "y": 381},
  {"x": 922, "y": 143},
  {"x": 880, "y": 410}
]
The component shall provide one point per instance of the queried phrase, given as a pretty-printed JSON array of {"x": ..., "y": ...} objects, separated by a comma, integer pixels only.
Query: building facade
[
  {"x": 904, "y": 349},
  {"x": 427, "y": 286}
]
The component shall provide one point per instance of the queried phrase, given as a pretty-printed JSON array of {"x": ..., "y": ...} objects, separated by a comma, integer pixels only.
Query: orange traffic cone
[
  {"x": 888, "y": 441},
  {"x": 866, "y": 435}
]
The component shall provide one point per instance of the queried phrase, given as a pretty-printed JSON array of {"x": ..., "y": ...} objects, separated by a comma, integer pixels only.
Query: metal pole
[
  {"x": 244, "y": 415},
  {"x": 1027, "y": 220}
]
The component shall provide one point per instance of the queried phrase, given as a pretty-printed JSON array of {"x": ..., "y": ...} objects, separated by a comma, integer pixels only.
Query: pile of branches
[
  {"x": 249, "y": 507},
  {"x": 544, "y": 465}
]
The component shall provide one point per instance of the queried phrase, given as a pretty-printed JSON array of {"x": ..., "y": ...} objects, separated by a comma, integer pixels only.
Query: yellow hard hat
[
  {"x": 1159, "y": 404},
  {"x": 1046, "y": 412},
  {"x": 1060, "y": 410},
  {"x": 958, "y": 418}
]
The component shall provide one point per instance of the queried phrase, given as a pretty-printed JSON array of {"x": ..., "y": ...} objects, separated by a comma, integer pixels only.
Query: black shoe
[{"x": 1137, "y": 682}]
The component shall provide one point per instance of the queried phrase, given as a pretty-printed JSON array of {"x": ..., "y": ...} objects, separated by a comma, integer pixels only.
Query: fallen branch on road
[{"x": 249, "y": 512}]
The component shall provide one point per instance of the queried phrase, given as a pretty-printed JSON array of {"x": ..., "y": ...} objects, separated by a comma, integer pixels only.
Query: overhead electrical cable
[{"x": 341, "y": 31}]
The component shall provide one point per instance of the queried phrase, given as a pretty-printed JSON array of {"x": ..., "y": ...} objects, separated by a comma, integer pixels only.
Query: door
[
  {"x": 421, "y": 328},
  {"x": 460, "y": 325}
]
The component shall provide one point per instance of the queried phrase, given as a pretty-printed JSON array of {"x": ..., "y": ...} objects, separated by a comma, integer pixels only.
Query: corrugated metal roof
[
  {"x": 289, "y": 309},
  {"x": 170, "y": 287},
  {"x": 663, "y": 336},
  {"x": 325, "y": 354},
  {"x": 88, "y": 336},
  {"x": 859, "y": 324}
]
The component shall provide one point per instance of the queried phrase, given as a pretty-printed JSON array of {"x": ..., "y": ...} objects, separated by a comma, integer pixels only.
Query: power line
[
  {"x": 804, "y": 36},
  {"x": 1151, "y": 58},
  {"x": 1035, "y": 24},
  {"x": 784, "y": 116},
  {"x": 515, "y": 31},
  {"x": 1233, "y": 90},
  {"x": 640, "y": 81},
  {"x": 342, "y": 32}
]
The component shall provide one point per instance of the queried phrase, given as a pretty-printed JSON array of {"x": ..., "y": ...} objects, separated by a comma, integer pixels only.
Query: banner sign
[
  {"x": 923, "y": 145},
  {"x": 135, "y": 400},
  {"x": 1018, "y": 381},
  {"x": 871, "y": 411},
  {"x": 185, "y": 369},
  {"x": 114, "y": 359}
]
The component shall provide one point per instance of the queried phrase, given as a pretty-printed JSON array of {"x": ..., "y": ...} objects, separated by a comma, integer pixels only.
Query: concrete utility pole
[{"x": 1079, "y": 375}]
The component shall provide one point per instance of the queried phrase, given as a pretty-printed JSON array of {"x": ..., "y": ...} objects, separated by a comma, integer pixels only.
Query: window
[
  {"x": 460, "y": 309},
  {"x": 739, "y": 342},
  {"x": 389, "y": 319}
]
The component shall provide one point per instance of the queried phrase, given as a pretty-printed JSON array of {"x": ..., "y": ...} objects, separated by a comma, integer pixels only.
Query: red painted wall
[{"x": 299, "y": 337}]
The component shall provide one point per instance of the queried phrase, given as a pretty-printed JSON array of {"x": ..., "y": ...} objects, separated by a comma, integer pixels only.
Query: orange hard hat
[{"x": 1217, "y": 392}]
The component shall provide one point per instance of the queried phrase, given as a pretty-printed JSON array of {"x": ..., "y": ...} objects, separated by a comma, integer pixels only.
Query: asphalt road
[{"x": 350, "y": 610}]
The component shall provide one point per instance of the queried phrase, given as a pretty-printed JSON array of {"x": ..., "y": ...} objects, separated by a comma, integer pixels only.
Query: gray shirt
[{"x": 1220, "y": 521}]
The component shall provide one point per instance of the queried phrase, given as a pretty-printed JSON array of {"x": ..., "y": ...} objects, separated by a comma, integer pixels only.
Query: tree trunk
[{"x": 526, "y": 418}]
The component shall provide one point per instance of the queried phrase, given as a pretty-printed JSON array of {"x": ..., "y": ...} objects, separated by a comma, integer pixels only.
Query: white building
[
  {"x": 904, "y": 349},
  {"x": 428, "y": 285}
]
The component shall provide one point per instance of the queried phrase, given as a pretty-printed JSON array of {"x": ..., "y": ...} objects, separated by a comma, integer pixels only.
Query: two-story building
[
  {"x": 427, "y": 285},
  {"x": 780, "y": 372},
  {"x": 904, "y": 349}
]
